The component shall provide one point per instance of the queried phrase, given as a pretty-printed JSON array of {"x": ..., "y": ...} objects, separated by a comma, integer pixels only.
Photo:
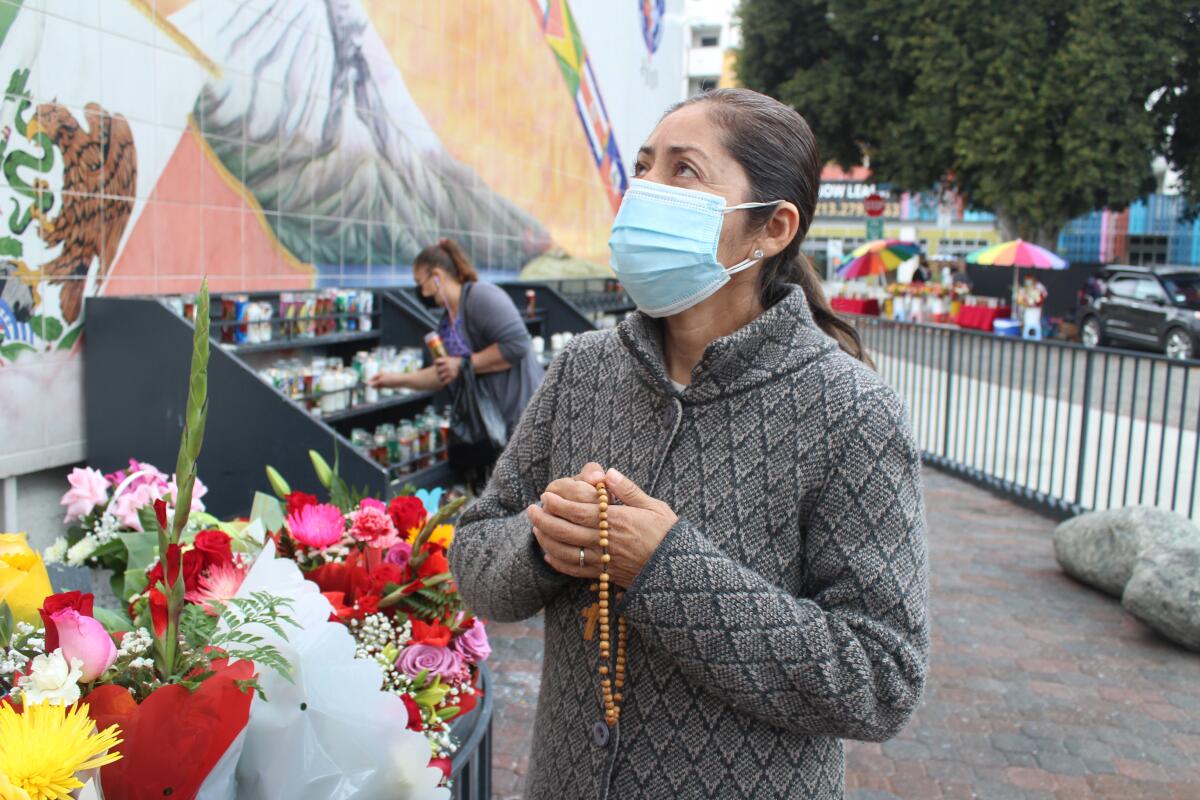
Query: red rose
[
  {"x": 415, "y": 721},
  {"x": 434, "y": 633},
  {"x": 193, "y": 565},
  {"x": 75, "y": 600},
  {"x": 298, "y": 500},
  {"x": 383, "y": 575},
  {"x": 436, "y": 564},
  {"x": 407, "y": 513},
  {"x": 213, "y": 546}
]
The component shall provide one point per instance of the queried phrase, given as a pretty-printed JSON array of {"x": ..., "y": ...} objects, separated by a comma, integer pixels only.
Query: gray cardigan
[
  {"x": 786, "y": 611},
  {"x": 490, "y": 317}
]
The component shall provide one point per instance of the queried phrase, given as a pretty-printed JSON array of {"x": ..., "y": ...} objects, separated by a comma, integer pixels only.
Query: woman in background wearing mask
[
  {"x": 766, "y": 538},
  {"x": 480, "y": 323}
]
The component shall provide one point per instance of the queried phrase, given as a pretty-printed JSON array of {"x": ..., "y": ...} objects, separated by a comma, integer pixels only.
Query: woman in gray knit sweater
[{"x": 767, "y": 528}]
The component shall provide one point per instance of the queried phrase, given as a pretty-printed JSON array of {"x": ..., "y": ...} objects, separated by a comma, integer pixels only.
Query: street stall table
[
  {"x": 982, "y": 318},
  {"x": 865, "y": 306}
]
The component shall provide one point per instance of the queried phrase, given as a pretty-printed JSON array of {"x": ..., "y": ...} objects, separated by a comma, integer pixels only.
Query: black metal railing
[
  {"x": 1054, "y": 424},
  {"x": 471, "y": 767}
]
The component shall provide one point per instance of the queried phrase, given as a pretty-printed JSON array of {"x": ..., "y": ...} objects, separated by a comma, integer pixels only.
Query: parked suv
[{"x": 1154, "y": 307}]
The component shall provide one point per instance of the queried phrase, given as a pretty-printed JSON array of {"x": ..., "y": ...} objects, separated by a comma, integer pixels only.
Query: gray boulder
[
  {"x": 1101, "y": 548},
  {"x": 1164, "y": 592}
]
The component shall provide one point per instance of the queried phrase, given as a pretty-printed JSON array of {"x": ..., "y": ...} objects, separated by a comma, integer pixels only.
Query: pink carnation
[
  {"x": 373, "y": 525},
  {"x": 319, "y": 526},
  {"x": 88, "y": 489},
  {"x": 371, "y": 502}
]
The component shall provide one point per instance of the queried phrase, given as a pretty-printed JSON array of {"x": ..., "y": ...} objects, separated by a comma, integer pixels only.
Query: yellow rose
[{"x": 24, "y": 583}]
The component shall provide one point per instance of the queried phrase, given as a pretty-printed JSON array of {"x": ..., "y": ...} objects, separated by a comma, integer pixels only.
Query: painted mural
[{"x": 289, "y": 144}]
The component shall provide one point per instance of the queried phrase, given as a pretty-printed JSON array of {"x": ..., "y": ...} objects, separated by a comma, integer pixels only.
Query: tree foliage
[
  {"x": 1179, "y": 106},
  {"x": 1039, "y": 110}
]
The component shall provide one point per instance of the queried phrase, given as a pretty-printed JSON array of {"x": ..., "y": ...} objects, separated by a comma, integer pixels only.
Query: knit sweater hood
[{"x": 784, "y": 611}]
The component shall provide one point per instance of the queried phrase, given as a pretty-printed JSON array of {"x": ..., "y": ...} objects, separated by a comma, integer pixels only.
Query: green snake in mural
[{"x": 43, "y": 199}]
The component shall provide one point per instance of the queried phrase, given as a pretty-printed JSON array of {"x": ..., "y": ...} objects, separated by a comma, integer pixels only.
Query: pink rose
[
  {"x": 399, "y": 554},
  {"x": 440, "y": 660},
  {"x": 473, "y": 643},
  {"x": 371, "y": 502},
  {"x": 373, "y": 526},
  {"x": 89, "y": 489},
  {"x": 84, "y": 638}
]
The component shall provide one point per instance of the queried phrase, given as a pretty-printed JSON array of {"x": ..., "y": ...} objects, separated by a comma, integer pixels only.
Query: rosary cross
[{"x": 592, "y": 615}]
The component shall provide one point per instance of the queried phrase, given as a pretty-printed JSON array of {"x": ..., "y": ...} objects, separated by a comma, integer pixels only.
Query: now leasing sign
[{"x": 845, "y": 199}]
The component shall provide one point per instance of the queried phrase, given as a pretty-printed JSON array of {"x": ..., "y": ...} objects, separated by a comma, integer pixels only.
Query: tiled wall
[{"x": 292, "y": 143}]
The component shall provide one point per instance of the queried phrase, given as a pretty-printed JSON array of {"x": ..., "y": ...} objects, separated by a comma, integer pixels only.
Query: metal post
[
  {"x": 949, "y": 392},
  {"x": 10, "y": 504},
  {"x": 1083, "y": 428}
]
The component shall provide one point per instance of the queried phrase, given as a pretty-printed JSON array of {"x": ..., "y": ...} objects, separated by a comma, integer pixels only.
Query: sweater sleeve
[
  {"x": 494, "y": 319},
  {"x": 849, "y": 659},
  {"x": 495, "y": 559}
]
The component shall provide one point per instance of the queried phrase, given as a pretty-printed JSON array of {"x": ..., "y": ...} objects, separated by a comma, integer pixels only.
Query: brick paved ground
[{"x": 1040, "y": 687}]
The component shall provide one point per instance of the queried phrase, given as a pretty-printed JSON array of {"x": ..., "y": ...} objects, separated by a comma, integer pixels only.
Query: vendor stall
[
  {"x": 863, "y": 306},
  {"x": 982, "y": 313}
]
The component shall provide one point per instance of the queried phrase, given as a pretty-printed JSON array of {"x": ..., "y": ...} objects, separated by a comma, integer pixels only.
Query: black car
[{"x": 1153, "y": 307}]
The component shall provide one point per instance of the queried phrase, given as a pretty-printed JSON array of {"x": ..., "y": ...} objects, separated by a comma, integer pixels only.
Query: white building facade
[{"x": 711, "y": 35}]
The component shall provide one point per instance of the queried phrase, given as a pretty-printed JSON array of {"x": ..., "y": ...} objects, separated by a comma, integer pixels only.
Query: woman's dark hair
[
  {"x": 775, "y": 146},
  {"x": 450, "y": 257}
]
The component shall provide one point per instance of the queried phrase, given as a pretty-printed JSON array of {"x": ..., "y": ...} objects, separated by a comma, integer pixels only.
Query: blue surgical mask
[{"x": 664, "y": 246}]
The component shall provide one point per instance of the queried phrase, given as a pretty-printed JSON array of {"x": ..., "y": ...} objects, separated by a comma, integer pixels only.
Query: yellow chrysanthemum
[{"x": 45, "y": 746}]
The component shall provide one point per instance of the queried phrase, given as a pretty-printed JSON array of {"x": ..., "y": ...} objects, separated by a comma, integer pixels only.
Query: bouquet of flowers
[
  {"x": 111, "y": 519},
  {"x": 167, "y": 677},
  {"x": 383, "y": 568}
]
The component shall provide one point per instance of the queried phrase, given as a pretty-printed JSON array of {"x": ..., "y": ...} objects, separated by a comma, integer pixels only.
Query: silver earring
[{"x": 758, "y": 253}]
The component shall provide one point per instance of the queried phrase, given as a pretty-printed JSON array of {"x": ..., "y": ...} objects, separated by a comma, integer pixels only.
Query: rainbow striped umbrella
[
  {"x": 878, "y": 258},
  {"x": 1016, "y": 254}
]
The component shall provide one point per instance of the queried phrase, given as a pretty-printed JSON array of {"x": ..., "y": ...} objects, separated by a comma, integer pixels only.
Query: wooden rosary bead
[{"x": 612, "y": 711}]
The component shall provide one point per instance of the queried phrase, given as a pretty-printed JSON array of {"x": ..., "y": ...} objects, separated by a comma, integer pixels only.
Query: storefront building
[{"x": 942, "y": 226}]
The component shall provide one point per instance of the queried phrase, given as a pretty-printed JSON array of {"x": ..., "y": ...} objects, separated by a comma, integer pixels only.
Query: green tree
[
  {"x": 1179, "y": 105},
  {"x": 1038, "y": 110}
]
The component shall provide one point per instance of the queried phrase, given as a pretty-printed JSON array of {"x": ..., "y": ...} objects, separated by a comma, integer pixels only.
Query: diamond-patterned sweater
[{"x": 786, "y": 611}]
